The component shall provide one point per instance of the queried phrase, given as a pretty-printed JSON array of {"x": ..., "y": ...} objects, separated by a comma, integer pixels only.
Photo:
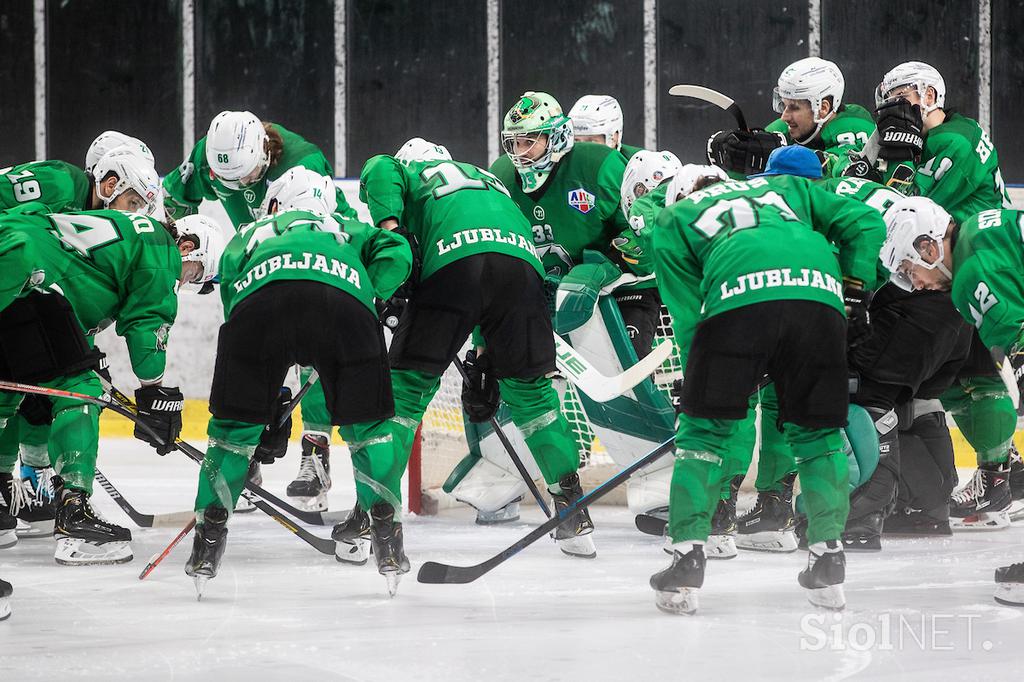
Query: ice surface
[{"x": 279, "y": 610}]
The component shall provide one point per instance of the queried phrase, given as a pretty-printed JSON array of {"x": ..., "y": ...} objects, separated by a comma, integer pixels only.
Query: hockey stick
[
  {"x": 713, "y": 97},
  {"x": 437, "y": 573},
  {"x": 601, "y": 388},
  {"x": 314, "y": 518},
  {"x": 298, "y": 397},
  {"x": 141, "y": 520},
  {"x": 155, "y": 561},
  {"x": 510, "y": 450},
  {"x": 325, "y": 546}
]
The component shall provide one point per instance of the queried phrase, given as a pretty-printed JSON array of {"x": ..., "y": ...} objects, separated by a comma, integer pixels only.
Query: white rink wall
[{"x": 193, "y": 341}]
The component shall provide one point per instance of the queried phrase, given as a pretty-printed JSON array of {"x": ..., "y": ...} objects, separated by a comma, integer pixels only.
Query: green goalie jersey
[
  {"x": 849, "y": 130},
  {"x": 363, "y": 261},
  {"x": 988, "y": 276},
  {"x": 111, "y": 266},
  {"x": 576, "y": 208},
  {"x": 775, "y": 238},
  {"x": 186, "y": 186},
  {"x": 57, "y": 184},
  {"x": 453, "y": 209}
]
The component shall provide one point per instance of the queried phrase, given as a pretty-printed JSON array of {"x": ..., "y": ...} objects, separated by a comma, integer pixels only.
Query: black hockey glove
[
  {"x": 676, "y": 395},
  {"x": 36, "y": 409},
  {"x": 103, "y": 367},
  {"x": 207, "y": 288},
  {"x": 858, "y": 316},
  {"x": 860, "y": 167},
  {"x": 743, "y": 151},
  {"x": 390, "y": 311},
  {"x": 900, "y": 127},
  {"x": 405, "y": 291},
  {"x": 274, "y": 439},
  {"x": 480, "y": 395},
  {"x": 159, "y": 409}
]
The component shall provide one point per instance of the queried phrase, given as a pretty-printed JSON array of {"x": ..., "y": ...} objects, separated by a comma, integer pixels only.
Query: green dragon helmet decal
[{"x": 538, "y": 118}]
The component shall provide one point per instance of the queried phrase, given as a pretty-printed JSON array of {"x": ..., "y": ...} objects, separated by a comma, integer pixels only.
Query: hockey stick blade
[
  {"x": 599, "y": 387},
  {"x": 650, "y": 525},
  {"x": 712, "y": 97},
  {"x": 435, "y": 573},
  {"x": 173, "y": 519}
]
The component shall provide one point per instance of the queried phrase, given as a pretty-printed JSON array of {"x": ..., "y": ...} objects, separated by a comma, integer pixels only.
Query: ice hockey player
[
  {"x": 234, "y": 164},
  {"x": 957, "y": 166},
  {"x": 475, "y": 247},
  {"x": 771, "y": 256},
  {"x": 981, "y": 262},
  {"x": 63, "y": 278},
  {"x": 598, "y": 118},
  {"x": 809, "y": 99},
  {"x": 315, "y": 273},
  {"x": 120, "y": 180}
]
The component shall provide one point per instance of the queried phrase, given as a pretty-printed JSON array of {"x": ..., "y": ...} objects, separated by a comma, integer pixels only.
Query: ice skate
[
  {"x": 1016, "y": 510},
  {"x": 207, "y": 548},
  {"x": 721, "y": 543},
  {"x": 984, "y": 502},
  {"x": 507, "y": 514},
  {"x": 254, "y": 476},
  {"x": 309, "y": 489},
  {"x": 34, "y": 505},
  {"x": 770, "y": 525},
  {"x": 353, "y": 538},
  {"x": 676, "y": 587},
  {"x": 8, "y": 524},
  {"x": 823, "y": 578},
  {"x": 1010, "y": 585},
  {"x": 574, "y": 535},
  {"x": 917, "y": 522},
  {"x": 83, "y": 538},
  {"x": 864, "y": 534},
  {"x": 387, "y": 545},
  {"x": 5, "y": 599}
]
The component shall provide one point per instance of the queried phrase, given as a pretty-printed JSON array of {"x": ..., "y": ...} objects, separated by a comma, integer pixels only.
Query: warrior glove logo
[
  {"x": 582, "y": 200},
  {"x": 902, "y": 137},
  {"x": 167, "y": 406}
]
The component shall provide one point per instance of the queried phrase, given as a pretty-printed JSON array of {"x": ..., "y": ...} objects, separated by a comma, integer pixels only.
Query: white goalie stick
[
  {"x": 713, "y": 97},
  {"x": 599, "y": 387}
]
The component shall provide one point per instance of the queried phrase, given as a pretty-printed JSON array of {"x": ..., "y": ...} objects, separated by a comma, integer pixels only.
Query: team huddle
[{"x": 849, "y": 276}]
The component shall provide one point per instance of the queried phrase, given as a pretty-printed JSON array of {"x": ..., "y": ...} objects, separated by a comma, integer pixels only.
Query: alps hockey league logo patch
[{"x": 582, "y": 200}]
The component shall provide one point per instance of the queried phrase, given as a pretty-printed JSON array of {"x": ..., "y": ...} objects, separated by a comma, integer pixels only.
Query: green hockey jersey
[
  {"x": 453, "y": 209},
  {"x": 738, "y": 243},
  {"x": 187, "y": 185},
  {"x": 988, "y": 276},
  {"x": 363, "y": 261},
  {"x": 111, "y": 266},
  {"x": 629, "y": 150},
  {"x": 577, "y": 208},
  {"x": 57, "y": 184}
]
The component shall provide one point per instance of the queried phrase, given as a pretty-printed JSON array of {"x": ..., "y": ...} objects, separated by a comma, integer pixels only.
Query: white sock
[
  {"x": 686, "y": 547},
  {"x": 819, "y": 548}
]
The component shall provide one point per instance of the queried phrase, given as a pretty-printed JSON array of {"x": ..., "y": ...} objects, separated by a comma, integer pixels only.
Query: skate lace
[
  {"x": 25, "y": 496},
  {"x": 974, "y": 489},
  {"x": 312, "y": 468}
]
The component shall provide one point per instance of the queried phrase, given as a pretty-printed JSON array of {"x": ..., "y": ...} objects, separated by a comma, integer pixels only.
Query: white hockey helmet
[
  {"x": 110, "y": 140},
  {"x": 236, "y": 148},
  {"x": 203, "y": 231},
  {"x": 682, "y": 182},
  {"x": 645, "y": 171},
  {"x": 812, "y": 79},
  {"x": 133, "y": 172},
  {"x": 918, "y": 75},
  {"x": 597, "y": 115},
  {"x": 908, "y": 222},
  {"x": 418, "y": 149},
  {"x": 301, "y": 189}
]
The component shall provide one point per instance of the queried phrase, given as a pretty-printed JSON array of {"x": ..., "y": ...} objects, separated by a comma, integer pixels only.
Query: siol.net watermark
[{"x": 891, "y": 632}]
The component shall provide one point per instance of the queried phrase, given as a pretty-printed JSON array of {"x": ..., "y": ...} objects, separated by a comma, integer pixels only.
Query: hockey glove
[
  {"x": 743, "y": 151},
  {"x": 480, "y": 395},
  {"x": 159, "y": 409},
  {"x": 37, "y": 410},
  {"x": 103, "y": 367},
  {"x": 274, "y": 439},
  {"x": 390, "y": 311},
  {"x": 900, "y": 127},
  {"x": 860, "y": 167},
  {"x": 858, "y": 316},
  {"x": 676, "y": 395}
]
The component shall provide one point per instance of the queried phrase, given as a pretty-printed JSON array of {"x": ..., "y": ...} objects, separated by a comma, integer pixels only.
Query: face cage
[{"x": 508, "y": 144}]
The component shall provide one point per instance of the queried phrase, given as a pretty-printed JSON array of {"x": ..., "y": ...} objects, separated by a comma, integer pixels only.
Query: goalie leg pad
[{"x": 488, "y": 487}]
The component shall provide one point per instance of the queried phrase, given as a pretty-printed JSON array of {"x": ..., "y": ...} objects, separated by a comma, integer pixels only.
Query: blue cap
[{"x": 792, "y": 159}]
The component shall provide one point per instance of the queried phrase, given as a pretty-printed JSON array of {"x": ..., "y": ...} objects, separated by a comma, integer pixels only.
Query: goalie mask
[
  {"x": 418, "y": 149},
  {"x": 110, "y": 140},
  {"x": 645, "y": 171},
  {"x": 237, "y": 149},
  {"x": 917, "y": 75},
  {"x": 911, "y": 223},
  {"x": 598, "y": 115},
  {"x": 209, "y": 244},
  {"x": 536, "y": 119},
  {"x": 300, "y": 189},
  {"x": 685, "y": 179},
  {"x": 812, "y": 79},
  {"x": 133, "y": 173}
]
